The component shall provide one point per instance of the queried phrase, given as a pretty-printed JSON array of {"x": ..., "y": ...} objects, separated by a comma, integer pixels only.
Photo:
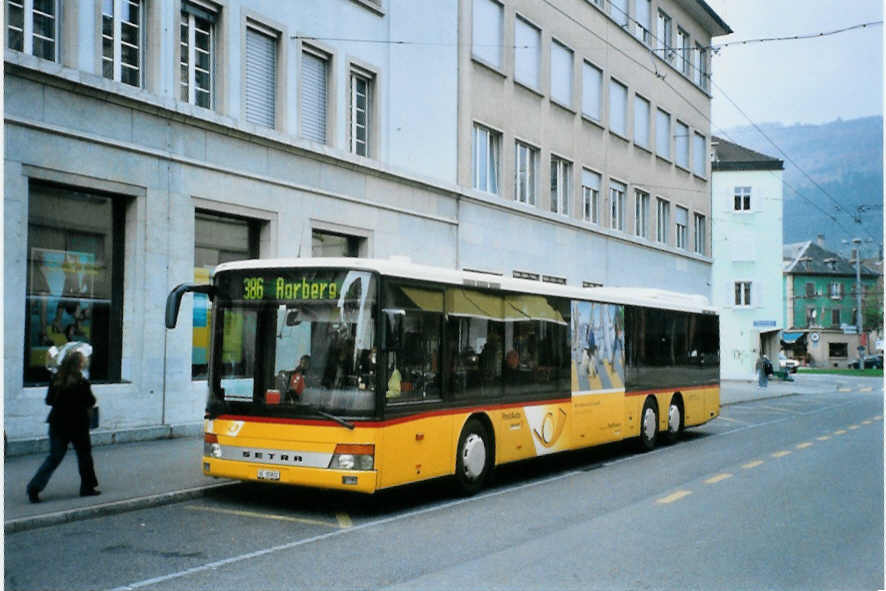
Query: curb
[{"x": 111, "y": 508}]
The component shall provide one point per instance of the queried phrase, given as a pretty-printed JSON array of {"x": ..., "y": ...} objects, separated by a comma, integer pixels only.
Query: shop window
[
  {"x": 838, "y": 350},
  {"x": 217, "y": 239},
  {"x": 74, "y": 279}
]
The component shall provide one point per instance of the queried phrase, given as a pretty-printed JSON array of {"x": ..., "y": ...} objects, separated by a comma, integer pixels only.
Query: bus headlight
[
  {"x": 211, "y": 446},
  {"x": 353, "y": 457}
]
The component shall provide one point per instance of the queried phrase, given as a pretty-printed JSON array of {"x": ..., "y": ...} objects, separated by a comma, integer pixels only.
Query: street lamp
[{"x": 858, "y": 324}]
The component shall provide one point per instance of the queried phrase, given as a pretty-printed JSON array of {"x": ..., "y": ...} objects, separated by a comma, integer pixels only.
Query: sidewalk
[{"x": 149, "y": 473}]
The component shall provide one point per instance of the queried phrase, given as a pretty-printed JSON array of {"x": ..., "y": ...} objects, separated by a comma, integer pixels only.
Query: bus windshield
[{"x": 294, "y": 342}]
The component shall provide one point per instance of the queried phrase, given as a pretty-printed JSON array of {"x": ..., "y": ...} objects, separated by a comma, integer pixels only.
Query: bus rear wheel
[
  {"x": 473, "y": 459},
  {"x": 649, "y": 425},
  {"x": 675, "y": 420}
]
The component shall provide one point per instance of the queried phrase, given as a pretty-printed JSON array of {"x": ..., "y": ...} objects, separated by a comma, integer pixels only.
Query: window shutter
[
  {"x": 757, "y": 297},
  {"x": 261, "y": 78},
  {"x": 313, "y": 97}
]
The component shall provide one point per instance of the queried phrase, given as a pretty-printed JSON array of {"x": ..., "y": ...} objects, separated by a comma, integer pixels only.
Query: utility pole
[{"x": 858, "y": 315}]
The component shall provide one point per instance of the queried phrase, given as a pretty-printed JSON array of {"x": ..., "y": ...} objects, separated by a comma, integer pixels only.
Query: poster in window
[{"x": 597, "y": 347}]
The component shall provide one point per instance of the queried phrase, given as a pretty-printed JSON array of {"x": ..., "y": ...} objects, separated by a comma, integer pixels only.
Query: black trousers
[{"x": 58, "y": 447}]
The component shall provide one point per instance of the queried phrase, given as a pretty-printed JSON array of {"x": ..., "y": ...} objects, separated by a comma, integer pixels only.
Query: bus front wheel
[
  {"x": 649, "y": 425},
  {"x": 473, "y": 460}
]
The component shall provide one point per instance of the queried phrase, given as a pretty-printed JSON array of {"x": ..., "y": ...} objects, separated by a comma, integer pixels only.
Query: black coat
[{"x": 70, "y": 406}]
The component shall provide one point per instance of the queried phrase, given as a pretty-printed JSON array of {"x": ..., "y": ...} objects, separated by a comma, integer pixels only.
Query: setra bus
[{"x": 364, "y": 374}]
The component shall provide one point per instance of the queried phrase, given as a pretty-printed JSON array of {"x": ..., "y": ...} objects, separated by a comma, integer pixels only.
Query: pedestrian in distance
[
  {"x": 762, "y": 375},
  {"x": 70, "y": 396}
]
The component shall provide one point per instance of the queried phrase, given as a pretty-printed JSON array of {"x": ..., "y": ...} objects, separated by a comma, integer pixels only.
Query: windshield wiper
[{"x": 338, "y": 420}]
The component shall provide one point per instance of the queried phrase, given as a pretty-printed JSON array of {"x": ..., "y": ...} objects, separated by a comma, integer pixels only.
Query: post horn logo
[{"x": 550, "y": 432}]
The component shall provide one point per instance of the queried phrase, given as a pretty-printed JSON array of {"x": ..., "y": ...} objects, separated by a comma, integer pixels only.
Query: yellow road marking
[
  {"x": 844, "y": 389},
  {"x": 263, "y": 515},
  {"x": 733, "y": 420},
  {"x": 781, "y": 454},
  {"x": 803, "y": 445},
  {"x": 853, "y": 427},
  {"x": 674, "y": 497},
  {"x": 878, "y": 417},
  {"x": 823, "y": 437},
  {"x": 753, "y": 464},
  {"x": 344, "y": 520},
  {"x": 866, "y": 422},
  {"x": 868, "y": 389},
  {"x": 718, "y": 478},
  {"x": 840, "y": 432}
]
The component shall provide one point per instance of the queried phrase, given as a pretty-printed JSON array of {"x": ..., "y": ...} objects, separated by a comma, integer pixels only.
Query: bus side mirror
[
  {"x": 174, "y": 299},
  {"x": 393, "y": 328}
]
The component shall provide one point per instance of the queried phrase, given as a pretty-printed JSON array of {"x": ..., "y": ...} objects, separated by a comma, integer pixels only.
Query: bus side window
[{"x": 413, "y": 327}]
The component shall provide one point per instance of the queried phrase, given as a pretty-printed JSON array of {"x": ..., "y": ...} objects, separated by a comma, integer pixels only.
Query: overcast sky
[{"x": 804, "y": 81}]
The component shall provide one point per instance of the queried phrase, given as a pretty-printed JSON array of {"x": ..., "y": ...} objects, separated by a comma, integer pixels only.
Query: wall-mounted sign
[{"x": 764, "y": 323}]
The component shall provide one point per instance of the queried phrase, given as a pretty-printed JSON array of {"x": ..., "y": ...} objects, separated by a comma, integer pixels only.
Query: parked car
[
  {"x": 870, "y": 362},
  {"x": 790, "y": 365}
]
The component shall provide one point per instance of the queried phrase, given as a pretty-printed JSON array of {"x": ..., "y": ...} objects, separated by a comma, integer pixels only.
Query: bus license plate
[{"x": 269, "y": 474}]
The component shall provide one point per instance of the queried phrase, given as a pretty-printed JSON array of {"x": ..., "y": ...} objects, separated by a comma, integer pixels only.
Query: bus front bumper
[{"x": 363, "y": 481}]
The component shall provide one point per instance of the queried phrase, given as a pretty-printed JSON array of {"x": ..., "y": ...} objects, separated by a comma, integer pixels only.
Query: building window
[
  {"x": 488, "y": 28},
  {"x": 217, "y": 239},
  {"x": 836, "y": 290},
  {"x": 561, "y": 185},
  {"x": 525, "y": 173},
  {"x": 681, "y": 234},
  {"x": 840, "y": 350},
  {"x": 742, "y": 199},
  {"x": 74, "y": 279},
  {"x": 486, "y": 159},
  {"x": 617, "y": 205},
  {"x": 699, "y": 155},
  {"x": 590, "y": 196},
  {"x": 314, "y": 94},
  {"x": 592, "y": 91},
  {"x": 561, "y": 74},
  {"x": 701, "y": 70},
  {"x": 681, "y": 140},
  {"x": 685, "y": 49},
  {"x": 644, "y": 26},
  {"x": 33, "y": 27},
  {"x": 641, "y": 214},
  {"x": 665, "y": 37},
  {"x": 663, "y": 217},
  {"x": 122, "y": 41},
  {"x": 810, "y": 290},
  {"x": 742, "y": 293},
  {"x": 261, "y": 76},
  {"x": 663, "y": 134},
  {"x": 700, "y": 234},
  {"x": 334, "y": 244},
  {"x": 641, "y": 121},
  {"x": 527, "y": 53},
  {"x": 197, "y": 61},
  {"x": 360, "y": 110},
  {"x": 618, "y": 107},
  {"x": 811, "y": 316},
  {"x": 835, "y": 317},
  {"x": 618, "y": 11}
]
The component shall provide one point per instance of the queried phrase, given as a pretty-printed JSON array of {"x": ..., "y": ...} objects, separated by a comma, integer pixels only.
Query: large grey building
[{"x": 149, "y": 140}]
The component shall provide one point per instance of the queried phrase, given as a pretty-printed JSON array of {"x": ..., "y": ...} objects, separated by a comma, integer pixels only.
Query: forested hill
[{"x": 845, "y": 159}]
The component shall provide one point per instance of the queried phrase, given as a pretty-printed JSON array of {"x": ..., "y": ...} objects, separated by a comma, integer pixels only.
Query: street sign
[{"x": 849, "y": 329}]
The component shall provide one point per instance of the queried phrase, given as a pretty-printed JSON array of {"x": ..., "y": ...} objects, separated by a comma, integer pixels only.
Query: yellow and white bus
[{"x": 362, "y": 374}]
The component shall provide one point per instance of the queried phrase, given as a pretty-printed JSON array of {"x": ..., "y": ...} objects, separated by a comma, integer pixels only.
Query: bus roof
[{"x": 403, "y": 268}]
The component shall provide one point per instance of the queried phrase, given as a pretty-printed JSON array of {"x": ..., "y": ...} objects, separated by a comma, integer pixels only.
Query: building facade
[
  {"x": 747, "y": 205},
  {"x": 821, "y": 303},
  {"x": 149, "y": 140}
]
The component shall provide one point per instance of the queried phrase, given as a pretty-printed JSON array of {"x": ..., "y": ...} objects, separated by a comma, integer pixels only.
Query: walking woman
[{"x": 70, "y": 397}]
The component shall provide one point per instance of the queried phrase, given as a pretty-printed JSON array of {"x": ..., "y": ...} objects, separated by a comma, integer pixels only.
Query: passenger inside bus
[{"x": 297, "y": 379}]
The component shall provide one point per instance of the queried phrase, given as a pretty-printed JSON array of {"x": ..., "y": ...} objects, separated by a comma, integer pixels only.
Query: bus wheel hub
[{"x": 474, "y": 456}]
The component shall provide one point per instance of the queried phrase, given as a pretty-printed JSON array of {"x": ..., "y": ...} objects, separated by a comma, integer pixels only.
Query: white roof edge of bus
[{"x": 398, "y": 267}]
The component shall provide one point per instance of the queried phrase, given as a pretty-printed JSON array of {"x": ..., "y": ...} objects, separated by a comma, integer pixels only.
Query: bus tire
[
  {"x": 473, "y": 459},
  {"x": 649, "y": 425},
  {"x": 675, "y": 419}
]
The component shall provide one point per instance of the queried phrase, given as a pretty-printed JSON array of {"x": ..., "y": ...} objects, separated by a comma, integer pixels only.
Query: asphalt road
[{"x": 776, "y": 494}]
